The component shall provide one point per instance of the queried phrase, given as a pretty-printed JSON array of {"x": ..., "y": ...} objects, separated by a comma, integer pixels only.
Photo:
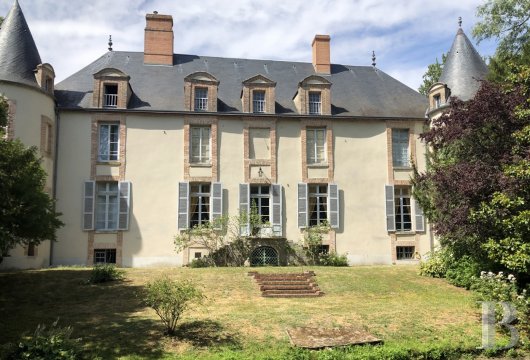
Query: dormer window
[
  {"x": 438, "y": 95},
  {"x": 111, "y": 89},
  {"x": 437, "y": 101},
  {"x": 110, "y": 96},
  {"x": 258, "y": 95},
  {"x": 258, "y": 101},
  {"x": 45, "y": 75},
  {"x": 315, "y": 103},
  {"x": 313, "y": 96},
  {"x": 200, "y": 92},
  {"x": 201, "y": 99}
]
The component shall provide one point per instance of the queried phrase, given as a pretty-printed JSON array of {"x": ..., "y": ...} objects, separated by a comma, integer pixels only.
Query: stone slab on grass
[{"x": 318, "y": 338}]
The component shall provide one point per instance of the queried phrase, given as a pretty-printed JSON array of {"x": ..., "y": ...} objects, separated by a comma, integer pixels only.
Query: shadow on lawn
[
  {"x": 206, "y": 333},
  {"x": 107, "y": 317}
]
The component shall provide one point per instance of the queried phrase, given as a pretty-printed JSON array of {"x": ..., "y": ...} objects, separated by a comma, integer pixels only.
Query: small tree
[
  {"x": 170, "y": 298},
  {"x": 431, "y": 76},
  {"x": 27, "y": 212}
]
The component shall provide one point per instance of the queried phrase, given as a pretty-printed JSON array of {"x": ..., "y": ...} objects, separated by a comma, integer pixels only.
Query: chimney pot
[{"x": 321, "y": 54}]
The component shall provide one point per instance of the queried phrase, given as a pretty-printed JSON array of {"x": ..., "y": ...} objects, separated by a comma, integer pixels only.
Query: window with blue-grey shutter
[
  {"x": 244, "y": 209},
  {"x": 420, "y": 218},
  {"x": 89, "y": 190},
  {"x": 333, "y": 206},
  {"x": 216, "y": 204},
  {"x": 302, "y": 205},
  {"x": 124, "y": 205},
  {"x": 183, "y": 205},
  {"x": 277, "y": 211},
  {"x": 390, "y": 211}
]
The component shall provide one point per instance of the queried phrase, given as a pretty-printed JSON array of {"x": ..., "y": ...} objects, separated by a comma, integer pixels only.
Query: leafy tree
[
  {"x": 27, "y": 214},
  {"x": 476, "y": 190},
  {"x": 431, "y": 76}
]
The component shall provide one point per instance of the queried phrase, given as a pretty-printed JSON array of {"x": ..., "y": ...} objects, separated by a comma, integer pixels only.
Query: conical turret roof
[
  {"x": 463, "y": 68},
  {"x": 19, "y": 56}
]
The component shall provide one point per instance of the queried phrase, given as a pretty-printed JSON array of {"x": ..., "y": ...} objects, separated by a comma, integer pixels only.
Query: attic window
[
  {"x": 110, "y": 96},
  {"x": 315, "y": 103},
  {"x": 258, "y": 98},
  {"x": 437, "y": 100}
]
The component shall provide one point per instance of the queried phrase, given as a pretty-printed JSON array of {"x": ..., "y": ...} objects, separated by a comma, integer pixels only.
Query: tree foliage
[
  {"x": 476, "y": 191},
  {"x": 431, "y": 76},
  {"x": 27, "y": 213}
]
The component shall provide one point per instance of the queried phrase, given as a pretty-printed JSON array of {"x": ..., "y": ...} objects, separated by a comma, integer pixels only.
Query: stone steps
[{"x": 287, "y": 285}]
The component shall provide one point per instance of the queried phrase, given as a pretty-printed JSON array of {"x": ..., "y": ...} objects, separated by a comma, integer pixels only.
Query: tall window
[
  {"x": 201, "y": 99},
  {"x": 107, "y": 196},
  {"x": 316, "y": 145},
  {"x": 200, "y": 144},
  {"x": 400, "y": 147},
  {"x": 258, "y": 101},
  {"x": 315, "y": 103},
  {"x": 110, "y": 96},
  {"x": 317, "y": 204},
  {"x": 260, "y": 201},
  {"x": 402, "y": 208},
  {"x": 109, "y": 139},
  {"x": 199, "y": 204}
]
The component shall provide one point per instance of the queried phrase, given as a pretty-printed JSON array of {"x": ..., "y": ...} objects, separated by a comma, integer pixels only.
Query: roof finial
[
  {"x": 373, "y": 58},
  {"x": 460, "y": 21},
  {"x": 110, "y": 42},
  {"x": 155, "y": 12}
]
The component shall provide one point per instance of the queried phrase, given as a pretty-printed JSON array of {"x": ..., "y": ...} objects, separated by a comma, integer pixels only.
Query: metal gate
[{"x": 264, "y": 256}]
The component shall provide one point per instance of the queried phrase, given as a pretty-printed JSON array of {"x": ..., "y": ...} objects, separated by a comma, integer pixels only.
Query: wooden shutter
[
  {"x": 333, "y": 206},
  {"x": 244, "y": 208},
  {"x": 390, "y": 215},
  {"x": 89, "y": 192},
  {"x": 183, "y": 205},
  {"x": 124, "y": 205},
  {"x": 277, "y": 211},
  {"x": 216, "y": 204},
  {"x": 302, "y": 205},
  {"x": 420, "y": 219}
]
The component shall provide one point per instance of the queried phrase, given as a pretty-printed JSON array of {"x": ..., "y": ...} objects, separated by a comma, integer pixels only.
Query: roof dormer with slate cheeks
[
  {"x": 313, "y": 96},
  {"x": 45, "y": 76},
  {"x": 200, "y": 92},
  {"x": 111, "y": 89},
  {"x": 258, "y": 95}
]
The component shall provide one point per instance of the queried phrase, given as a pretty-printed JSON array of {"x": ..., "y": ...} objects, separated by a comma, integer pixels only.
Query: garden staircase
[{"x": 287, "y": 285}]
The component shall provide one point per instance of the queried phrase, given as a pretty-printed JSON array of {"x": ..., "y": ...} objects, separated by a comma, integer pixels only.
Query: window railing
[
  {"x": 259, "y": 106},
  {"x": 315, "y": 107},
  {"x": 110, "y": 100},
  {"x": 201, "y": 104}
]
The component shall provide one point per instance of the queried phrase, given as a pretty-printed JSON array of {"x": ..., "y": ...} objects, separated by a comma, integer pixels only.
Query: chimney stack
[
  {"x": 321, "y": 54},
  {"x": 158, "y": 43}
]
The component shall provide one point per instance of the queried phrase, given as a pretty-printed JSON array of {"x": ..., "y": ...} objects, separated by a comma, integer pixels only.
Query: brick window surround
[
  {"x": 313, "y": 84},
  {"x": 46, "y": 137},
  {"x": 271, "y": 162},
  {"x": 410, "y": 125},
  {"x": 11, "y": 111},
  {"x": 204, "y": 80},
  {"x": 329, "y": 164},
  {"x": 189, "y": 122},
  {"x": 110, "y": 77},
  {"x": 254, "y": 84}
]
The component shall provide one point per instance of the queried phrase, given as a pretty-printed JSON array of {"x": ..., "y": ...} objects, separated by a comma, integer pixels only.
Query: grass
[{"x": 392, "y": 302}]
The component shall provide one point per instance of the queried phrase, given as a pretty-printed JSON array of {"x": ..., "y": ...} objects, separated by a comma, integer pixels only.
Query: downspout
[{"x": 54, "y": 183}]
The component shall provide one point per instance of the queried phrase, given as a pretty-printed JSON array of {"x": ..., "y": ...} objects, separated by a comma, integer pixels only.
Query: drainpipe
[{"x": 54, "y": 183}]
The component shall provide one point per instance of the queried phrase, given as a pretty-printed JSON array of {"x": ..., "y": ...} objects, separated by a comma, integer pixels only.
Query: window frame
[
  {"x": 110, "y": 155},
  {"x": 110, "y": 99},
  {"x": 403, "y": 209},
  {"x": 405, "y": 252},
  {"x": 400, "y": 147},
  {"x": 108, "y": 254},
  {"x": 258, "y": 197},
  {"x": 203, "y": 199},
  {"x": 200, "y": 158},
  {"x": 107, "y": 203},
  {"x": 321, "y": 201},
  {"x": 312, "y": 143},
  {"x": 314, "y": 106},
  {"x": 200, "y": 103},
  {"x": 259, "y": 106}
]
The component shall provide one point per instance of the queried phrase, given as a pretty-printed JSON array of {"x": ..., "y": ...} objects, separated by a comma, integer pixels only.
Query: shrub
[
  {"x": 200, "y": 263},
  {"x": 436, "y": 264},
  {"x": 53, "y": 343},
  {"x": 463, "y": 272},
  {"x": 170, "y": 298},
  {"x": 105, "y": 272},
  {"x": 333, "y": 259}
]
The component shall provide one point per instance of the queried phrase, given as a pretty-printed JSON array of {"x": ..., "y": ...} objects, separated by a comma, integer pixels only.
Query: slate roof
[
  {"x": 355, "y": 91},
  {"x": 463, "y": 68},
  {"x": 19, "y": 56}
]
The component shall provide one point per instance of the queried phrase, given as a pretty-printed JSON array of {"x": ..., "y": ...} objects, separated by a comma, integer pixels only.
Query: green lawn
[{"x": 392, "y": 302}]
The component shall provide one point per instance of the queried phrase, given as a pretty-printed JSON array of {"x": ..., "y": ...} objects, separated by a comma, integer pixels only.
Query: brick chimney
[
  {"x": 158, "y": 44},
  {"x": 321, "y": 54}
]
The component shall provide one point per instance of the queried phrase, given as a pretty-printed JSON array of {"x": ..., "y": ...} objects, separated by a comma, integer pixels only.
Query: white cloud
[{"x": 406, "y": 35}]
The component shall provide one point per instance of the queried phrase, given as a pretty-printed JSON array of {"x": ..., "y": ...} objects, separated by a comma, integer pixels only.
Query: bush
[
  {"x": 170, "y": 298},
  {"x": 436, "y": 264},
  {"x": 463, "y": 272},
  {"x": 54, "y": 343},
  {"x": 200, "y": 263},
  {"x": 332, "y": 259},
  {"x": 105, "y": 272}
]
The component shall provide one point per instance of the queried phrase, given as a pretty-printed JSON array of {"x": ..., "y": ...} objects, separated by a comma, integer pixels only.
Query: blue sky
[{"x": 406, "y": 35}]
